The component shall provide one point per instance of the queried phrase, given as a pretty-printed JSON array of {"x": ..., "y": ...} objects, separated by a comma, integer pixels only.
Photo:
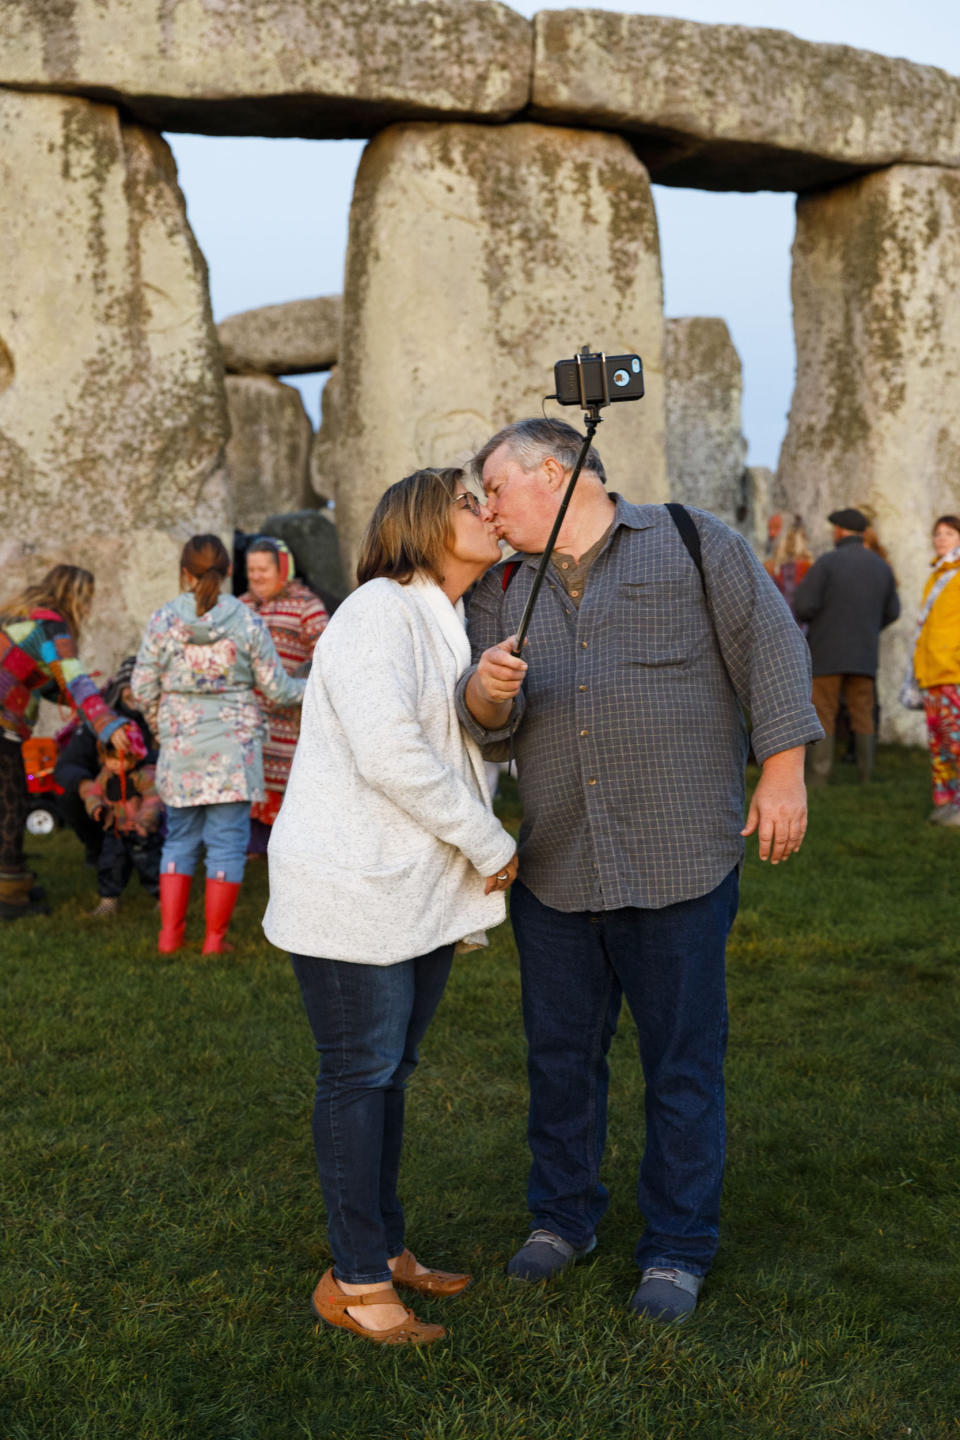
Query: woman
[
  {"x": 39, "y": 636},
  {"x": 296, "y": 618},
  {"x": 790, "y": 560},
  {"x": 196, "y": 669},
  {"x": 936, "y": 665},
  {"x": 384, "y": 855}
]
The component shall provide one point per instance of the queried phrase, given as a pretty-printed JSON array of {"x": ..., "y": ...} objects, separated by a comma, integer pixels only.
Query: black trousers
[
  {"x": 120, "y": 855},
  {"x": 14, "y": 805}
]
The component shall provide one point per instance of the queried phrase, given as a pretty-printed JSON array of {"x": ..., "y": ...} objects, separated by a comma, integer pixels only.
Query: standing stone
[
  {"x": 112, "y": 411},
  {"x": 320, "y": 69},
  {"x": 477, "y": 258},
  {"x": 323, "y": 472},
  {"x": 268, "y": 450},
  {"x": 874, "y": 419},
  {"x": 705, "y": 446},
  {"x": 761, "y": 491},
  {"x": 296, "y": 338}
]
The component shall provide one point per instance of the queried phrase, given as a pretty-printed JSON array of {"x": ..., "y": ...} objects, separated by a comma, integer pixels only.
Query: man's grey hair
[{"x": 530, "y": 442}]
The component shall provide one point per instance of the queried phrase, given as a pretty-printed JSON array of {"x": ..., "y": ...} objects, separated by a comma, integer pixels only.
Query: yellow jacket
[{"x": 936, "y": 659}]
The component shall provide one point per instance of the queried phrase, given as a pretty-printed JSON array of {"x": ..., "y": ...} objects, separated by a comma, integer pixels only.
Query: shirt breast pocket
[{"x": 655, "y": 626}]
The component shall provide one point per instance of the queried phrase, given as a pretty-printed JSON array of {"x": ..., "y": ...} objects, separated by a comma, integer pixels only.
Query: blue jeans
[
  {"x": 367, "y": 1022},
  {"x": 223, "y": 829},
  {"x": 669, "y": 964}
]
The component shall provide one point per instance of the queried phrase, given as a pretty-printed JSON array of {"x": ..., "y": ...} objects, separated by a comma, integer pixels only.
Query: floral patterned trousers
[{"x": 941, "y": 704}]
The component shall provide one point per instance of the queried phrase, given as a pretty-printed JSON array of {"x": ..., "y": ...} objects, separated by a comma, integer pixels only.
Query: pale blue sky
[{"x": 271, "y": 215}]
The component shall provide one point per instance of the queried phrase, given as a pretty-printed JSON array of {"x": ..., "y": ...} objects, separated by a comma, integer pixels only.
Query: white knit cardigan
[{"x": 386, "y": 834}]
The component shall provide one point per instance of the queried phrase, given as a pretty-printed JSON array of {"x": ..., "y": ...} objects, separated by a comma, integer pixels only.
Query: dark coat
[{"x": 846, "y": 599}]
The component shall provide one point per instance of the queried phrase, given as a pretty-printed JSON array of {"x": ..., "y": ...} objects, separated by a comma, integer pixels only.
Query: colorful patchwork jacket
[{"x": 35, "y": 651}]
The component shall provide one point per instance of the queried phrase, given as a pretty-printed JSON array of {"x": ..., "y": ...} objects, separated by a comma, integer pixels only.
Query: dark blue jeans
[
  {"x": 367, "y": 1022},
  {"x": 669, "y": 964}
]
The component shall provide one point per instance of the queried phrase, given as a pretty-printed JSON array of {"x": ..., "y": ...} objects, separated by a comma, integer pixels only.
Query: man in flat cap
[{"x": 846, "y": 599}]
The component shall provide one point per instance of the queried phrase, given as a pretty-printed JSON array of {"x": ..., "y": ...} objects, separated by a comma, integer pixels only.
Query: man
[
  {"x": 631, "y": 744},
  {"x": 847, "y": 597}
]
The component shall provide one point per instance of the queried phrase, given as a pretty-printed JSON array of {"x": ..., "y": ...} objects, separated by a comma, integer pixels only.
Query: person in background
[
  {"x": 790, "y": 560},
  {"x": 39, "y": 637},
  {"x": 122, "y": 799},
  {"x": 936, "y": 665},
  {"x": 847, "y": 597},
  {"x": 385, "y": 854},
  {"x": 78, "y": 759},
  {"x": 296, "y": 618},
  {"x": 200, "y": 659}
]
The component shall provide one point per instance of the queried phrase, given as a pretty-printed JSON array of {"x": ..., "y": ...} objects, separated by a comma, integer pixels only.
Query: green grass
[{"x": 162, "y": 1227}]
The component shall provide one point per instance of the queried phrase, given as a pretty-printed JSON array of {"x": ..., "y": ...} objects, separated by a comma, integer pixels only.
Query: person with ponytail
[
  {"x": 39, "y": 636},
  {"x": 296, "y": 618},
  {"x": 201, "y": 659}
]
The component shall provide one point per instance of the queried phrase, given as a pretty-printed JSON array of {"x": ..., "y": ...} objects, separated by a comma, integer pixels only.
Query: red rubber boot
[
  {"x": 221, "y": 897},
  {"x": 174, "y": 894}
]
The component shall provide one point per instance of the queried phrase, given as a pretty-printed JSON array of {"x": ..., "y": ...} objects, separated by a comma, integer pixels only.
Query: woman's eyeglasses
[{"x": 468, "y": 501}]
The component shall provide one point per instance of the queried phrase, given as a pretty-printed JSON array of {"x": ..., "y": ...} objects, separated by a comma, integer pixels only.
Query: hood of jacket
[{"x": 205, "y": 629}]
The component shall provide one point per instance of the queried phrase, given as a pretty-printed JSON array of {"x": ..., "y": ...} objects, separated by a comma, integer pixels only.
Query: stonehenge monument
[{"x": 502, "y": 218}]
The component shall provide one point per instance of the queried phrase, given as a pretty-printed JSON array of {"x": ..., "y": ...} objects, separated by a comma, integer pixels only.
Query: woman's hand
[{"x": 504, "y": 878}]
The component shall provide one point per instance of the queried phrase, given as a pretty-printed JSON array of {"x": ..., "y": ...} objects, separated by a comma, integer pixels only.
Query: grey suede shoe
[
  {"x": 666, "y": 1294},
  {"x": 544, "y": 1254},
  {"x": 940, "y": 814}
]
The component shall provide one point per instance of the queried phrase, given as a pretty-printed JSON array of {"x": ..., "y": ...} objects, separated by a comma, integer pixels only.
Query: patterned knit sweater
[
  {"x": 296, "y": 618},
  {"x": 34, "y": 651}
]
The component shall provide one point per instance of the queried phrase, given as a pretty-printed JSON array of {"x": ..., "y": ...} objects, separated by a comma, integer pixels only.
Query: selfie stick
[{"x": 593, "y": 420}]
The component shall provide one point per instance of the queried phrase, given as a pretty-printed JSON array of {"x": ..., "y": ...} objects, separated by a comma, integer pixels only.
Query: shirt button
[
  {"x": 584, "y": 732},
  {"x": 581, "y": 687},
  {"x": 583, "y": 644},
  {"x": 574, "y": 593},
  {"x": 592, "y": 781},
  {"x": 564, "y": 565}
]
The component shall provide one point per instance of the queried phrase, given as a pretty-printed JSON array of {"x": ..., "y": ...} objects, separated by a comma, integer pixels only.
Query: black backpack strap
[{"x": 690, "y": 536}]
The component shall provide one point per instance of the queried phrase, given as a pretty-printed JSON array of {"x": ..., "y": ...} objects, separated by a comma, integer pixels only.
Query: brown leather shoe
[
  {"x": 433, "y": 1282},
  {"x": 330, "y": 1305}
]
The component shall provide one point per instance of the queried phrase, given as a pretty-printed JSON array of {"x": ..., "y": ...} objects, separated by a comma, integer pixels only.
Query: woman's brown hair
[
  {"x": 410, "y": 527},
  {"x": 67, "y": 589},
  {"x": 206, "y": 559},
  {"x": 952, "y": 520}
]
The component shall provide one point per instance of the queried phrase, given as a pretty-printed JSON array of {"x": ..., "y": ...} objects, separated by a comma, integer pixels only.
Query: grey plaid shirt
[{"x": 630, "y": 732}]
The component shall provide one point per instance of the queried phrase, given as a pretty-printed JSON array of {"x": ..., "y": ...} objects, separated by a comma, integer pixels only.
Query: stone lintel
[
  {"x": 728, "y": 107},
  {"x": 315, "y": 69},
  {"x": 295, "y": 338}
]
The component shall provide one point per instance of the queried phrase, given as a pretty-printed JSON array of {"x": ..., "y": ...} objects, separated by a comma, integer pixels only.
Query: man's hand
[
  {"x": 778, "y": 810},
  {"x": 504, "y": 878},
  {"x": 494, "y": 683}
]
